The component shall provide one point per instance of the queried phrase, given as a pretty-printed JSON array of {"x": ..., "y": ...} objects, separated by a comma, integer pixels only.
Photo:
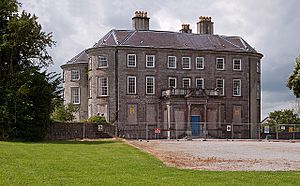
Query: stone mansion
[{"x": 167, "y": 79}]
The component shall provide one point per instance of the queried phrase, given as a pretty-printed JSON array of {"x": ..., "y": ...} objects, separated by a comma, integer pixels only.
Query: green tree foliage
[
  {"x": 285, "y": 116},
  {"x": 64, "y": 112},
  {"x": 294, "y": 79},
  {"x": 97, "y": 119},
  {"x": 25, "y": 91}
]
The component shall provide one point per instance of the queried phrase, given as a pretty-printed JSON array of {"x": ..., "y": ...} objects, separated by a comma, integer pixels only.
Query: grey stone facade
[{"x": 168, "y": 107}]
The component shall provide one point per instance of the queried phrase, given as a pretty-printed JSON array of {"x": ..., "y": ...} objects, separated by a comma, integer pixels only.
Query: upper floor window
[
  {"x": 236, "y": 63},
  {"x": 103, "y": 86},
  {"x": 172, "y": 82},
  {"x": 186, "y": 82},
  {"x": 75, "y": 95},
  {"x": 90, "y": 88},
  {"x": 150, "y": 61},
  {"x": 131, "y": 85},
  {"x": 199, "y": 62},
  {"x": 131, "y": 60},
  {"x": 220, "y": 63},
  {"x": 220, "y": 86},
  {"x": 258, "y": 90},
  {"x": 150, "y": 85},
  {"x": 171, "y": 61},
  {"x": 258, "y": 67},
  {"x": 102, "y": 61},
  {"x": 90, "y": 63},
  {"x": 75, "y": 75},
  {"x": 236, "y": 87},
  {"x": 186, "y": 63},
  {"x": 200, "y": 83}
]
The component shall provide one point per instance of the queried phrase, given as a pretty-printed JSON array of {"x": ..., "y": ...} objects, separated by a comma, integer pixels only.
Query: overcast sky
[{"x": 272, "y": 27}]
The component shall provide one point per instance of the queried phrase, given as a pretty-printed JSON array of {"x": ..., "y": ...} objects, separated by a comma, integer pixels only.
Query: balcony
[{"x": 190, "y": 92}]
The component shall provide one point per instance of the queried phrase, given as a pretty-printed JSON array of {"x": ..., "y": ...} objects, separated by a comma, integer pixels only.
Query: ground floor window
[{"x": 75, "y": 95}]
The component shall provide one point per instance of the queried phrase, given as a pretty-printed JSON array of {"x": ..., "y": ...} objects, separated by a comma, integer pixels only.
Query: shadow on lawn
[{"x": 74, "y": 142}]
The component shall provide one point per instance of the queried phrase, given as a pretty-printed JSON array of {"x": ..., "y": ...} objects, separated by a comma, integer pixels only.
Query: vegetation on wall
[
  {"x": 293, "y": 82},
  {"x": 26, "y": 90}
]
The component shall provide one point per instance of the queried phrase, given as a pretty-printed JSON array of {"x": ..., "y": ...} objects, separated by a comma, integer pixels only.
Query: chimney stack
[
  {"x": 140, "y": 21},
  {"x": 205, "y": 26},
  {"x": 185, "y": 28}
]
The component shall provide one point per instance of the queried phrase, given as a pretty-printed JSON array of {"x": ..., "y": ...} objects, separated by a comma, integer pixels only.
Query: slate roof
[
  {"x": 177, "y": 40},
  {"x": 166, "y": 39},
  {"x": 79, "y": 58}
]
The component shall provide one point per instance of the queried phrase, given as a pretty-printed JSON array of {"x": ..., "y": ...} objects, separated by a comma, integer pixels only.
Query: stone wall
[{"x": 75, "y": 130}]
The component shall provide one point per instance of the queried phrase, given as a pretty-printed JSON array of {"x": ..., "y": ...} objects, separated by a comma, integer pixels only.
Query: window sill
[
  {"x": 104, "y": 67},
  {"x": 104, "y": 96}
]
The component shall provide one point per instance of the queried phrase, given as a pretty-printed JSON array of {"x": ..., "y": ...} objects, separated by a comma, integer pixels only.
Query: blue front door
[{"x": 195, "y": 125}]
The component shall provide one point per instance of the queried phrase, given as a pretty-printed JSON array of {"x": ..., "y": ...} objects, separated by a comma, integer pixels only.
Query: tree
[
  {"x": 293, "y": 82},
  {"x": 64, "y": 112},
  {"x": 25, "y": 91},
  {"x": 285, "y": 116}
]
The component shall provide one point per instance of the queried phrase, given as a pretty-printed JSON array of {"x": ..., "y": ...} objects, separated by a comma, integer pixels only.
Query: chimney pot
[
  {"x": 185, "y": 28},
  {"x": 140, "y": 21},
  {"x": 205, "y": 25}
]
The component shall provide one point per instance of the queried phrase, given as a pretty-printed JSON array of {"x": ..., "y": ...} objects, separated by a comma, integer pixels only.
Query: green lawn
[{"x": 110, "y": 162}]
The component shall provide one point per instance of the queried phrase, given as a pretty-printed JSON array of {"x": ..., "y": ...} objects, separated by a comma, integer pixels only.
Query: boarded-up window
[
  {"x": 132, "y": 113},
  {"x": 150, "y": 113},
  {"x": 237, "y": 114}
]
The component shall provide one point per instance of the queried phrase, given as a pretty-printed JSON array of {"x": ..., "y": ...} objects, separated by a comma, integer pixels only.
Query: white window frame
[
  {"x": 101, "y": 59},
  {"x": 175, "y": 62},
  {"x": 234, "y": 65},
  {"x": 128, "y": 60},
  {"x": 200, "y": 79},
  {"x": 90, "y": 88},
  {"x": 101, "y": 87},
  {"x": 223, "y": 63},
  {"x": 169, "y": 80},
  {"x": 153, "y": 57},
  {"x": 236, "y": 87},
  {"x": 186, "y": 79},
  {"x": 73, "y": 96},
  {"x": 200, "y": 62},
  {"x": 72, "y": 75},
  {"x": 221, "y": 89},
  {"x": 258, "y": 91},
  {"x": 258, "y": 67},
  {"x": 183, "y": 62},
  {"x": 90, "y": 63},
  {"x": 128, "y": 88},
  {"x": 150, "y": 86}
]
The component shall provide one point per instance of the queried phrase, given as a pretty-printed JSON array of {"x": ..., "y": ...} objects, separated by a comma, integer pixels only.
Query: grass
[{"x": 108, "y": 162}]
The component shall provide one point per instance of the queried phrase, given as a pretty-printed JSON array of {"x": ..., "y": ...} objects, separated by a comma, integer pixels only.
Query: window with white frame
[
  {"x": 220, "y": 86},
  {"x": 200, "y": 83},
  {"x": 75, "y": 75},
  {"x": 258, "y": 90},
  {"x": 90, "y": 63},
  {"x": 258, "y": 67},
  {"x": 150, "y": 85},
  {"x": 186, "y": 82},
  {"x": 150, "y": 61},
  {"x": 90, "y": 88},
  {"x": 102, "y": 86},
  {"x": 199, "y": 62},
  {"x": 75, "y": 95},
  {"x": 171, "y": 61},
  {"x": 102, "y": 61},
  {"x": 186, "y": 63},
  {"x": 131, "y": 85},
  {"x": 220, "y": 63},
  {"x": 236, "y": 64},
  {"x": 131, "y": 60},
  {"x": 236, "y": 87},
  {"x": 172, "y": 82}
]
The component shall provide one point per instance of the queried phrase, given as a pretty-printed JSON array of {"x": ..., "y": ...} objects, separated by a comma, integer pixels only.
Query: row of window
[
  {"x": 172, "y": 62},
  {"x": 172, "y": 83}
]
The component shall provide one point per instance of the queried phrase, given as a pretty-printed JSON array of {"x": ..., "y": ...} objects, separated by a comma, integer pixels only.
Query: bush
[{"x": 97, "y": 119}]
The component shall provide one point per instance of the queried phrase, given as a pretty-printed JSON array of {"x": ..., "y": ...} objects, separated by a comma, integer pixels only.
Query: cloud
[{"x": 271, "y": 26}]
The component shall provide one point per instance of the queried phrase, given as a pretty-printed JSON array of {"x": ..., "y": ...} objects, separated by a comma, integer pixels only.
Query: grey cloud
[{"x": 271, "y": 26}]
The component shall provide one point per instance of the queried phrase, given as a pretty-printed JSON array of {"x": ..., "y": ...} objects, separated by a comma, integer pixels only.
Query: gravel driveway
[{"x": 225, "y": 155}]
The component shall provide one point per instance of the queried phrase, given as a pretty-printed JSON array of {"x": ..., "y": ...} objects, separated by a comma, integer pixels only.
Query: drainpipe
[
  {"x": 117, "y": 91},
  {"x": 169, "y": 121}
]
